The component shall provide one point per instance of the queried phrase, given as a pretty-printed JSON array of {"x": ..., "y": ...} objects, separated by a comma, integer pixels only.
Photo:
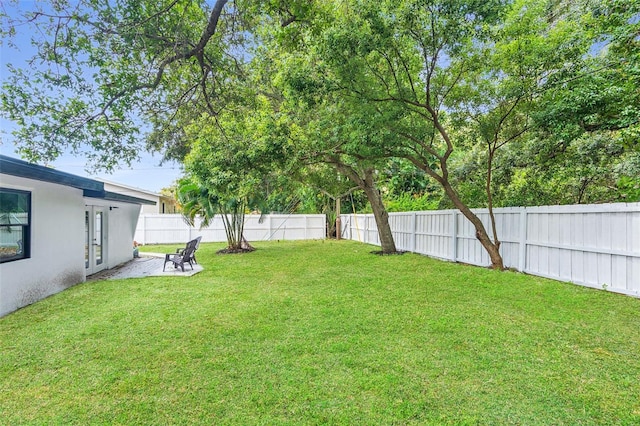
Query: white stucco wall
[
  {"x": 57, "y": 259},
  {"x": 57, "y": 245},
  {"x": 163, "y": 204},
  {"x": 122, "y": 223},
  {"x": 120, "y": 228}
]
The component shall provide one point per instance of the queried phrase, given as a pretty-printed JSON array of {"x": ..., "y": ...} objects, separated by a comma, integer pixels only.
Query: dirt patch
[
  {"x": 394, "y": 253},
  {"x": 236, "y": 251}
]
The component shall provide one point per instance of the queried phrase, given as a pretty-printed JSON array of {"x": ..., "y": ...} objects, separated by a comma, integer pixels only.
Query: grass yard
[{"x": 323, "y": 333}]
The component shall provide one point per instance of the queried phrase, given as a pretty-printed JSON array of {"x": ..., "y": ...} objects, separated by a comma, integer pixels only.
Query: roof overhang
[
  {"x": 114, "y": 196},
  {"x": 90, "y": 188}
]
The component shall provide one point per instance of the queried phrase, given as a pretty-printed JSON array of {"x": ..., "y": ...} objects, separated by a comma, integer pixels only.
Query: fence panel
[
  {"x": 591, "y": 245},
  {"x": 403, "y": 226},
  {"x": 596, "y": 246},
  {"x": 171, "y": 228},
  {"x": 158, "y": 229},
  {"x": 434, "y": 234}
]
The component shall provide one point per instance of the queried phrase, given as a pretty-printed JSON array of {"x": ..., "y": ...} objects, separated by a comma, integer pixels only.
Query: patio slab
[{"x": 147, "y": 265}]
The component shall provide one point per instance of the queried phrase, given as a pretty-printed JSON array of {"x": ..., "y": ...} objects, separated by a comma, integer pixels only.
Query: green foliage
[
  {"x": 630, "y": 188},
  {"x": 411, "y": 202},
  {"x": 196, "y": 202},
  {"x": 527, "y": 101},
  {"x": 407, "y": 188},
  {"x": 200, "y": 202},
  {"x": 594, "y": 168},
  {"x": 572, "y": 134},
  {"x": 102, "y": 69}
]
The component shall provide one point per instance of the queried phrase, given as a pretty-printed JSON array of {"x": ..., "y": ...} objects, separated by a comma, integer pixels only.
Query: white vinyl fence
[
  {"x": 591, "y": 245},
  {"x": 171, "y": 229}
]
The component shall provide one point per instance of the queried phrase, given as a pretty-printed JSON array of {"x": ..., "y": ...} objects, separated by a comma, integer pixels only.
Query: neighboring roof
[
  {"x": 90, "y": 188},
  {"x": 114, "y": 196}
]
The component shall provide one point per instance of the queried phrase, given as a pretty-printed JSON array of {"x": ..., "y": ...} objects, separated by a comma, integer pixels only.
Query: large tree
[
  {"x": 316, "y": 126},
  {"x": 229, "y": 169},
  {"x": 578, "y": 61},
  {"x": 105, "y": 73},
  {"x": 332, "y": 132},
  {"x": 443, "y": 76},
  {"x": 421, "y": 80},
  {"x": 398, "y": 64}
]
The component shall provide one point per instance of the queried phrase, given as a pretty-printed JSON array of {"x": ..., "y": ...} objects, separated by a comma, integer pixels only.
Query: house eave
[
  {"x": 113, "y": 196},
  {"x": 20, "y": 168},
  {"x": 90, "y": 188}
]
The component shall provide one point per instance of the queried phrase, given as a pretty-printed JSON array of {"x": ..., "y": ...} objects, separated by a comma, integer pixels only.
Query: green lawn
[{"x": 323, "y": 333}]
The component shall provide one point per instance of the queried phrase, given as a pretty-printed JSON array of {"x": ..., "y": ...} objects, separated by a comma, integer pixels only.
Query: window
[{"x": 15, "y": 221}]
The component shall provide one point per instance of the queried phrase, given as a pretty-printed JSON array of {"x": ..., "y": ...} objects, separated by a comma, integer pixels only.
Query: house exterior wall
[
  {"x": 120, "y": 228},
  {"x": 147, "y": 209},
  {"x": 57, "y": 259},
  {"x": 57, "y": 245},
  {"x": 164, "y": 205}
]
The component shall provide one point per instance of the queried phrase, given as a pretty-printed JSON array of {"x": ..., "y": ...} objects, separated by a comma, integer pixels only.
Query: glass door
[
  {"x": 97, "y": 237},
  {"x": 94, "y": 244}
]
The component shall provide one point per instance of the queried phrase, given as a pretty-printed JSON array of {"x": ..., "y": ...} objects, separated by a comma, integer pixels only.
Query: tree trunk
[
  {"x": 233, "y": 221},
  {"x": 481, "y": 233},
  {"x": 367, "y": 184},
  {"x": 381, "y": 215},
  {"x": 488, "y": 188}
]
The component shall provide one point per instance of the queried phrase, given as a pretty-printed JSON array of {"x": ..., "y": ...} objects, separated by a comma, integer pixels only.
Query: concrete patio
[{"x": 147, "y": 265}]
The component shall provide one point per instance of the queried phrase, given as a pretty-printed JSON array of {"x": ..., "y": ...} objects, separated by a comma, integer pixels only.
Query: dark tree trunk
[
  {"x": 493, "y": 249},
  {"x": 481, "y": 233},
  {"x": 380, "y": 214},
  {"x": 488, "y": 188},
  {"x": 367, "y": 184}
]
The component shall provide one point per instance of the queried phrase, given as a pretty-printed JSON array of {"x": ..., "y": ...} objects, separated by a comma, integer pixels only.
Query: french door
[{"x": 94, "y": 243}]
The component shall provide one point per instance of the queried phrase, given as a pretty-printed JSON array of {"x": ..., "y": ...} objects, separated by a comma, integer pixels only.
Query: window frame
[{"x": 26, "y": 227}]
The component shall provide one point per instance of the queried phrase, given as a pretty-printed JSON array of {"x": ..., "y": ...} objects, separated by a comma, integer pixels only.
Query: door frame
[{"x": 95, "y": 243}]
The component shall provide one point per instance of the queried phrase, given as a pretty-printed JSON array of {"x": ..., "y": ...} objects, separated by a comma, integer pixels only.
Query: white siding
[{"x": 120, "y": 228}]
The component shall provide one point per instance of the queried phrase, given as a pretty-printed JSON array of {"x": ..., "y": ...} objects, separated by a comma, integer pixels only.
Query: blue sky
[{"x": 146, "y": 174}]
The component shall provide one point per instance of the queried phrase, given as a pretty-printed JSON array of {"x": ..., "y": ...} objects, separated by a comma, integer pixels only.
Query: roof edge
[
  {"x": 20, "y": 168},
  {"x": 90, "y": 188},
  {"x": 114, "y": 196}
]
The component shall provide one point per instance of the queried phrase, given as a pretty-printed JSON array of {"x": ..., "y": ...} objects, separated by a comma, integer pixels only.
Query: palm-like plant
[{"x": 199, "y": 201}]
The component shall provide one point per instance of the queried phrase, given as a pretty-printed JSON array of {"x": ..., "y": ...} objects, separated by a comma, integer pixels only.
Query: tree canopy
[{"x": 498, "y": 102}]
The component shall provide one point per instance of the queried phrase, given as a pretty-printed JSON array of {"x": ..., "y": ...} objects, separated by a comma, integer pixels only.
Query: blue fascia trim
[
  {"x": 15, "y": 167},
  {"x": 90, "y": 188}
]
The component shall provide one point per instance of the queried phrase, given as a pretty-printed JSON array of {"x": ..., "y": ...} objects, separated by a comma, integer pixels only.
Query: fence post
[
  {"x": 414, "y": 224},
  {"x": 143, "y": 230},
  {"x": 522, "y": 249},
  {"x": 365, "y": 237},
  {"x": 350, "y": 227},
  {"x": 454, "y": 236}
]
